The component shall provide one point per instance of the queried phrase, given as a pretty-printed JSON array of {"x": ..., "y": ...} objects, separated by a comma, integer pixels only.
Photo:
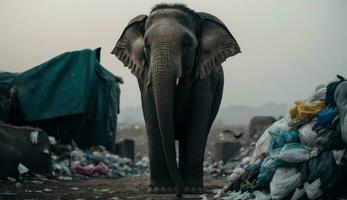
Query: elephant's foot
[
  {"x": 161, "y": 189},
  {"x": 193, "y": 189}
]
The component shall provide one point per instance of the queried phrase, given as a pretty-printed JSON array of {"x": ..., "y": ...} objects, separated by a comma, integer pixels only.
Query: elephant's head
[{"x": 173, "y": 42}]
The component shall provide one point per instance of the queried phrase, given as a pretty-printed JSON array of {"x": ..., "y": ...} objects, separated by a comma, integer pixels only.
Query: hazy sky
[{"x": 288, "y": 47}]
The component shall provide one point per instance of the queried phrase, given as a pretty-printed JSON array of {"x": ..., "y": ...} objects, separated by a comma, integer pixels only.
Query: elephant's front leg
[
  {"x": 206, "y": 99},
  {"x": 160, "y": 179},
  {"x": 196, "y": 140}
]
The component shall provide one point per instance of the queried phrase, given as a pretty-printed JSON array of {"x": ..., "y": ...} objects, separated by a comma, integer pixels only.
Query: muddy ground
[{"x": 97, "y": 188}]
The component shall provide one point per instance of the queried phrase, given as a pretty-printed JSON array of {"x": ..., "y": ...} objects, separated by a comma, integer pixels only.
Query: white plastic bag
[
  {"x": 284, "y": 181},
  {"x": 22, "y": 169},
  {"x": 299, "y": 192},
  {"x": 318, "y": 94},
  {"x": 294, "y": 153},
  {"x": 307, "y": 136},
  {"x": 313, "y": 190},
  {"x": 262, "y": 145},
  {"x": 261, "y": 195},
  {"x": 339, "y": 155}
]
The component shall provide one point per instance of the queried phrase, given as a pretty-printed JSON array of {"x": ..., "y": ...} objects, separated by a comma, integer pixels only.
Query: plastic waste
[
  {"x": 331, "y": 94},
  {"x": 22, "y": 169},
  {"x": 293, "y": 153},
  {"x": 284, "y": 182},
  {"x": 34, "y": 137},
  {"x": 298, "y": 194},
  {"x": 326, "y": 115},
  {"x": 339, "y": 155},
  {"x": 318, "y": 94},
  {"x": 283, "y": 124},
  {"x": 267, "y": 170},
  {"x": 263, "y": 144},
  {"x": 261, "y": 195},
  {"x": 100, "y": 168},
  {"x": 203, "y": 197},
  {"x": 304, "y": 111},
  {"x": 340, "y": 98},
  {"x": 52, "y": 140},
  {"x": 313, "y": 190},
  {"x": 308, "y": 136},
  {"x": 325, "y": 168},
  {"x": 238, "y": 196},
  {"x": 283, "y": 138}
]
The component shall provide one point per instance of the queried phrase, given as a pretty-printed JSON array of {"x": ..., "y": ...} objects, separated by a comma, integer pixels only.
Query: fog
[{"x": 288, "y": 47}]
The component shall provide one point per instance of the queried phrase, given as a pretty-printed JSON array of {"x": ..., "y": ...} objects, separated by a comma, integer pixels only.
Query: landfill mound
[{"x": 301, "y": 156}]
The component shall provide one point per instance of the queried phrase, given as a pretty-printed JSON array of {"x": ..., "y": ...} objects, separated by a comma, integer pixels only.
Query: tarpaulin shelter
[{"x": 71, "y": 96}]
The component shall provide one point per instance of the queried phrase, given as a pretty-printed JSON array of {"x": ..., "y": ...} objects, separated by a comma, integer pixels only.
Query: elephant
[
  {"x": 176, "y": 55},
  {"x": 258, "y": 124}
]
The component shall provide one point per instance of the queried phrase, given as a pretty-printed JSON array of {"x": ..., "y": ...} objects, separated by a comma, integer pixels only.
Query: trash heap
[
  {"x": 301, "y": 156},
  {"x": 218, "y": 169},
  {"x": 69, "y": 160}
]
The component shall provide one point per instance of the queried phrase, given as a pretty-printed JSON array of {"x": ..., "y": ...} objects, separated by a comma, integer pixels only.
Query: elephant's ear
[
  {"x": 216, "y": 44},
  {"x": 129, "y": 48}
]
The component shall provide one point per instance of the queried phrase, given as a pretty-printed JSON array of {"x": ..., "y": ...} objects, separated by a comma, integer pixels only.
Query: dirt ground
[{"x": 97, "y": 188}]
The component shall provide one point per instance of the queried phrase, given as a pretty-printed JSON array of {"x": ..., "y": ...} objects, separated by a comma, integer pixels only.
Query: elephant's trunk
[{"x": 164, "y": 74}]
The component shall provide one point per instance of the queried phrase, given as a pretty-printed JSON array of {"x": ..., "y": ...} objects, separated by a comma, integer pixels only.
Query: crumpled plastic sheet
[
  {"x": 313, "y": 190},
  {"x": 299, "y": 193},
  {"x": 294, "y": 153},
  {"x": 308, "y": 136},
  {"x": 284, "y": 181}
]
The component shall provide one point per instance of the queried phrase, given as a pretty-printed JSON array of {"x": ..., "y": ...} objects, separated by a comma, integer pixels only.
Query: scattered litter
[
  {"x": 96, "y": 161},
  {"x": 12, "y": 180},
  {"x": 74, "y": 188},
  {"x": 22, "y": 169},
  {"x": 34, "y": 137},
  {"x": 203, "y": 197},
  {"x": 18, "y": 185},
  {"x": 36, "y": 182},
  {"x": 46, "y": 151},
  {"x": 52, "y": 140},
  {"x": 100, "y": 168},
  {"x": 48, "y": 190}
]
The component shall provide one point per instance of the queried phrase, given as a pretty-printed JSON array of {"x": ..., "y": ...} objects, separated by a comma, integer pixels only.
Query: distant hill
[
  {"x": 229, "y": 115},
  {"x": 241, "y": 114}
]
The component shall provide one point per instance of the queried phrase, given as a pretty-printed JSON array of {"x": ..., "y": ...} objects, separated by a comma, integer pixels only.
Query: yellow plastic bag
[{"x": 305, "y": 111}]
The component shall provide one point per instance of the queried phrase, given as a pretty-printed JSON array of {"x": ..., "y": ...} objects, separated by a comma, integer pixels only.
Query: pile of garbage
[
  {"x": 219, "y": 169},
  {"x": 301, "y": 156},
  {"x": 69, "y": 160}
]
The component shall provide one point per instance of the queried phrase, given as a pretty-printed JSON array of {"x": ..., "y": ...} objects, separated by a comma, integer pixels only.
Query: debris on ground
[
  {"x": 69, "y": 160},
  {"x": 22, "y": 151},
  {"x": 302, "y": 155}
]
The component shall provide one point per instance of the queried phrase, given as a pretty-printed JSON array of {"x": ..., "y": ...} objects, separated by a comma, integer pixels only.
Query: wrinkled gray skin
[
  {"x": 258, "y": 124},
  {"x": 341, "y": 103},
  {"x": 181, "y": 84}
]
